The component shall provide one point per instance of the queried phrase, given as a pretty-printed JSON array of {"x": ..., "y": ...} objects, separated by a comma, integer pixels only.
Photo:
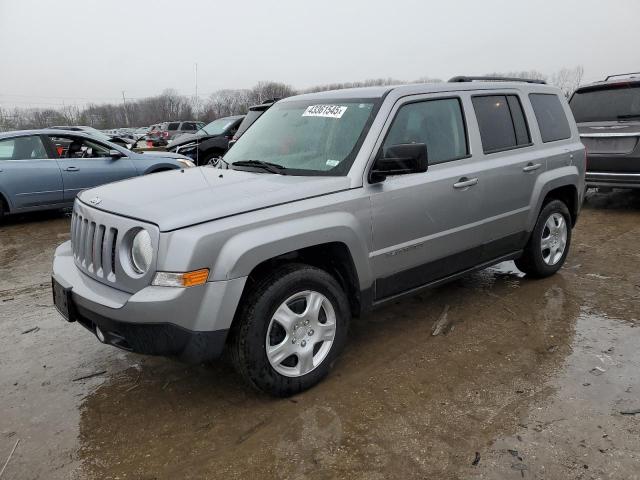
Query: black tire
[
  {"x": 532, "y": 262},
  {"x": 3, "y": 208},
  {"x": 207, "y": 157},
  {"x": 249, "y": 333}
]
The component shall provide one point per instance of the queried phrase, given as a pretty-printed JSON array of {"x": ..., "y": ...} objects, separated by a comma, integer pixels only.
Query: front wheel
[
  {"x": 290, "y": 329},
  {"x": 548, "y": 245}
]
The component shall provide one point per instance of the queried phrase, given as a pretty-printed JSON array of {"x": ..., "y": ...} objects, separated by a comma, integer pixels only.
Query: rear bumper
[
  {"x": 613, "y": 179},
  {"x": 191, "y": 323}
]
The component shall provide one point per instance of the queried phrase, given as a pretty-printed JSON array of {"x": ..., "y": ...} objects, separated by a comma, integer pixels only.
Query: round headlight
[{"x": 141, "y": 251}]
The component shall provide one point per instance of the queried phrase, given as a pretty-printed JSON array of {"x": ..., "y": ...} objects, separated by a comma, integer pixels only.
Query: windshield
[
  {"x": 608, "y": 104},
  {"x": 307, "y": 137},
  {"x": 216, "y": 127}
]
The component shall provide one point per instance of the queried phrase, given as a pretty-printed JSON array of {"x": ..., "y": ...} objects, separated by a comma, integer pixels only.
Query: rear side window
[
  {"x": 502, "y": 123},
  {"x": 22, "y": 148},
  {"x": 173, "y": 126},
  {"x": 437, "y": 123},
  {"x": 551, "y": 118}
]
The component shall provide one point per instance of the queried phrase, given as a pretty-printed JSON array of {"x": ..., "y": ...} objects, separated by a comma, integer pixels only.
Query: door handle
[
  {"x": 465, "y": 182},
  {"x": 72, "y": 169},
  {"x": 531, "y": 167}
]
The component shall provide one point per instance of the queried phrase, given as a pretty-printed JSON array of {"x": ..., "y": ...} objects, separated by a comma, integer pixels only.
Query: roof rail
[
  {"x": 496, "y": 79},
  {"x": 621, "y": 75}
]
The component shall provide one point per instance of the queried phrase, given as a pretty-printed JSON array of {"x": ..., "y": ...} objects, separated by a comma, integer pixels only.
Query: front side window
[
  {"x": 436, "y": 123},
  {"x": 75, "y": 147},
  {"x": 22, "y": 148},
  {"x": 307, "y": 137},
  {"x": 501, "y": 121},
  {"x": 551, "y": 118}
]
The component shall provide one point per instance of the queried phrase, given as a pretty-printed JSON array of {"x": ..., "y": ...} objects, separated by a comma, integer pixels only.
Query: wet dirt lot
[{"x": 527, "y": 379}]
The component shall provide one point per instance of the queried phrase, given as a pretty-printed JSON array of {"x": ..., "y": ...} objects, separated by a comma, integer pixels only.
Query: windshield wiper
[
  {"x": 632, "y": 115},
  {"x": 270, "y": 167}
]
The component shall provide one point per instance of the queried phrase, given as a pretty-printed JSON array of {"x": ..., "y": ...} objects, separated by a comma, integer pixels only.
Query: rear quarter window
[{"x": 550, "y": 116}]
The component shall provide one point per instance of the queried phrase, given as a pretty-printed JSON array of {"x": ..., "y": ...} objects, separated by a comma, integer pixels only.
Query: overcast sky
[{"x": 74, "y": 51}]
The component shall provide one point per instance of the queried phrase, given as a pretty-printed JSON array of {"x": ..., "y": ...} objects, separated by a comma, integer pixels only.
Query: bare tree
[
  {"x": 170, "y": 105},
  {"x": 568, "y": 79}
]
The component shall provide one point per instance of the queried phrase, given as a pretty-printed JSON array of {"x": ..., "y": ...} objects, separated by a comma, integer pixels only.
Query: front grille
[
  {"x": 94, "y": 246},
  {"x": 98, "y": 239}
]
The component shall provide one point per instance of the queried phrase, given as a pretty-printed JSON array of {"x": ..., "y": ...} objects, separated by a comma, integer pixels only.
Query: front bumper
[
  {"x": 613, "y": 180},
  {"x": 191, "y": 323}
]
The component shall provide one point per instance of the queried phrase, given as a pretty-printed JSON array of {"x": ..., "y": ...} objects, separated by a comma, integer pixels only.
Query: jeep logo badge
[{"x": 95, "y": 200}]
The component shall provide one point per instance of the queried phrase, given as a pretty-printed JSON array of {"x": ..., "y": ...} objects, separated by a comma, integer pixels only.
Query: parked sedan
[
  {"x": 45, "y": 169},
  {"x": 208, "y": 143}
]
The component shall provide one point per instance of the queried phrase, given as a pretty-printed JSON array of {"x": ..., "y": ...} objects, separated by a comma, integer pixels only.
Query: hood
[
  {"x": 188, "y": 138},
  {"x": 180, "y": 198}
]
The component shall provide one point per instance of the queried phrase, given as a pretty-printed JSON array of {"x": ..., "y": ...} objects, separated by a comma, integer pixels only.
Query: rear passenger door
[
  {"x": 511, "y": 164},
  {"x": 28, "y": 176},
  {"x": 427, "y": 225}
]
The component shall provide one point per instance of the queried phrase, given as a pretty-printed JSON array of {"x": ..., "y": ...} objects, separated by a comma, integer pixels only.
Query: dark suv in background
[
  {"x": 211, "y": 141},
  {"x": 608, "y": 118}
]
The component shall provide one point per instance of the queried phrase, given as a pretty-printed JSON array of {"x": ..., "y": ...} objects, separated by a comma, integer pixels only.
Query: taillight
[{"x": 165, "y": 134}]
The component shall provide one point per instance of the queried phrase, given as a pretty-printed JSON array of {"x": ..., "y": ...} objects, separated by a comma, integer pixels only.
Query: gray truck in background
[{"x": 332, "y": 204}]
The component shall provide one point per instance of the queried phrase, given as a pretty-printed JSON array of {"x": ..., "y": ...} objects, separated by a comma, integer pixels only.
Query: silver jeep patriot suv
[{"x": 331, "y": 204}]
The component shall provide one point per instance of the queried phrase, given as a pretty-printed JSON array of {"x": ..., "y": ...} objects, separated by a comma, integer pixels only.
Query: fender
[
  {"x": 547, "y": 181},
  {"x": 241, "y": 253},
  {"x": 218, "y": 142}
]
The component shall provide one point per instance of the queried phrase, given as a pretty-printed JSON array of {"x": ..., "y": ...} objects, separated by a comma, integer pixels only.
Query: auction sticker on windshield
[{"x": 328, "y": 111}]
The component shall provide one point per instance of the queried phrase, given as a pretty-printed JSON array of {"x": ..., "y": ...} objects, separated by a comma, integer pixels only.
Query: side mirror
[
  {"x": 399, "y": 160},
  {"x": 115, "y": 153}
]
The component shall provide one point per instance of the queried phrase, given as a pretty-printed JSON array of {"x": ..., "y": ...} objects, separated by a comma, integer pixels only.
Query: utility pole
[
  {"x": 124, "y": 105},
  {"x": 197, "y": 100}
]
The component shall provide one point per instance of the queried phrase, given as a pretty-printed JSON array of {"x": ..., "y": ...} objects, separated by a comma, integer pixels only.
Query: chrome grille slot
[
  {"x": 82, "y": 243},
  {"x": 97, "y": 250},
  {"x": 88, "y": 248}
]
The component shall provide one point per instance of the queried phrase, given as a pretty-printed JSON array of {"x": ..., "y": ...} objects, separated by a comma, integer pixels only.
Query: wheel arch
[
  {"x": 333, "y": 241},
  {"x": 4, "y": 202},
  {"x": 332, "y": 257},
  {"x": 560, "y": 184}
]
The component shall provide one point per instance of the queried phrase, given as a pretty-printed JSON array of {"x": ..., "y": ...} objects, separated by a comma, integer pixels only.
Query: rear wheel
[
  {"x": 290, "y": 329},
  {"x": 548, "y": 245}
]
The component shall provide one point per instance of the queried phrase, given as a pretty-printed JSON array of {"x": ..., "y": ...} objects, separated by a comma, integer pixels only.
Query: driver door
[
  {"x": 427, "y": 226},
  {"x": 86, "y": 163}
]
